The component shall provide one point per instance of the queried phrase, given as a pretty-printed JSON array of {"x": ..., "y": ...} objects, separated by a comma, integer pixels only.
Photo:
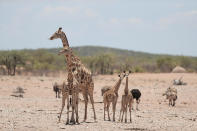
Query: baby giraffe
[
  {"x": 111, "y": 96},
  {"x": 127, "y": 101}
]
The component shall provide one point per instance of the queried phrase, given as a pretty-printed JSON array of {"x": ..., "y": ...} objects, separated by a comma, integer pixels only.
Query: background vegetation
[{"x": 100, "y": 60}]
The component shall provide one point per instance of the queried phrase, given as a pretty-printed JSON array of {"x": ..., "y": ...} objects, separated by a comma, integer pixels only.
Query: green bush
[
  {"x": 100, "y": 60},
  {"x": 138, "y": 69},
  {"x": 166, "y": 64}
]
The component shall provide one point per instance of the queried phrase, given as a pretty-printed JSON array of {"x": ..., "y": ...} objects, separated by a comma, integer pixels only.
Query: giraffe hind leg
[
  {"x": 73, "y": 110},
  {"x": 76, "y": 107},
  {"x": 91, "y": 92},
  {"x": 68, "y": 106},
  {"x": 92, "y": 102},
  {"x": 86, "y": 104}
]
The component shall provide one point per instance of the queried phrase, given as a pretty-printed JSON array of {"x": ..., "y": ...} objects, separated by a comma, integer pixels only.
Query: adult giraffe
[{"x": 77, "y": 70}]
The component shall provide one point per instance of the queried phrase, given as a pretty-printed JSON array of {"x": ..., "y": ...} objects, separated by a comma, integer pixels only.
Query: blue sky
[{"x": 155, "y": 26}]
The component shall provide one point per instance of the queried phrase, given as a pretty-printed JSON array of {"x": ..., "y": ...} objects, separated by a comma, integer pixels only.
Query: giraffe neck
[
  {"x": 64, "y": 40},
  {"x": 117, "y": 86},
  {"x": 71, "y": 58},
  {"x": 126, "y": 90}
]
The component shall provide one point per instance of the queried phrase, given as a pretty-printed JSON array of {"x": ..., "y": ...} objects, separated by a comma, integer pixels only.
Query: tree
[
  {"x": 11, "y": 60},
  {"x": 185, "y": 62},
  {"x": 165, "y": 64}
]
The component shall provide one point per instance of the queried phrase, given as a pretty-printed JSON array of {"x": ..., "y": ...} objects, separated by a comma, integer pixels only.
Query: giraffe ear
[{"x": 60, "y": 28}]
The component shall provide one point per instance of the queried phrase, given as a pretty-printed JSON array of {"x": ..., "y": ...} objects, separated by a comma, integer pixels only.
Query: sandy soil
[{"x": 38, "y": 109}]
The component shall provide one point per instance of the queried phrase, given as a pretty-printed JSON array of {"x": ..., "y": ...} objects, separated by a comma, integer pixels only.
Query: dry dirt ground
[{"x": 38, "y": 109}]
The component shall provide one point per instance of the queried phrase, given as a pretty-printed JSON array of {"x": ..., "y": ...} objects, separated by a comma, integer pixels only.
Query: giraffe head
[
  {"x": 127, "y": 73},
  {"x": 60, "y": 34},
  {"x": 122, "y": 75}
]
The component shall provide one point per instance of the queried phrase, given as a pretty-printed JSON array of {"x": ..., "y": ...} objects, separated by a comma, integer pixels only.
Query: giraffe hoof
[
  {"x": 95, "y": 121},
  {"x": 73, "y": 122},
  {"x": 84, "y": 121},
  {"x": 58, "y": 121}
]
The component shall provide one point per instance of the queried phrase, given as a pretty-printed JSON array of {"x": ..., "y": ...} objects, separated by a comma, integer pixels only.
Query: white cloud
[
  {"x": 179, "y": 5},
  {"x": 90, "y": 13},
  {"x": 125, "y": 21},
  {"x": 190, "y": 13},
  {"x": 114, "y": 21},
  {"x": 188, "y": 18},
  {"x": 77, "y": 12},
  {"x": 135, "y": 21},
  {"x": 60, "y": 9}
]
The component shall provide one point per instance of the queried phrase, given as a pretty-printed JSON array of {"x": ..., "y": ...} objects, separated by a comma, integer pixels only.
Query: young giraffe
[
  {"x": 65, "y": 96},
  {"x": 74, "y": 101},
  {"x": 77, "y": 70},
  {"x": 127, "y": 101},
  {"x": 111, "y": 96}
]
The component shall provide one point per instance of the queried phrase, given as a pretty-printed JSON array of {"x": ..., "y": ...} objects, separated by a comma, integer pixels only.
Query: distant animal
[
  {"x": 179, "y": 82},
  {"x": 57, "y": 89},
  {"x": 171, "y": 95},
  {"x": 104, "y": 89},
  {"x": 136, "y": 95}
]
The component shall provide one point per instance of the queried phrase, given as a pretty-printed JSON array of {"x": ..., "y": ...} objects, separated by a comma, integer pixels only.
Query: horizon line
[{"x": 151, "y": 53}]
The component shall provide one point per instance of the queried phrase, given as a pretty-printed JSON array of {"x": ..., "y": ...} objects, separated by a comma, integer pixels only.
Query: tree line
[{"x": 98, "y": 61}]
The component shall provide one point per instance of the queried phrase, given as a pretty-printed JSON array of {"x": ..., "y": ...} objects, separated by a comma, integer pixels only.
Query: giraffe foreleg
[
  {"x": 114, "y": 108},
  {"x": 126, "y": 112},
  {"x": 120, "y": 114},
  {"x": 121, "y": 110},
  {"x": 108, "y": 104},
  {"x": 104, "y": 109}
]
